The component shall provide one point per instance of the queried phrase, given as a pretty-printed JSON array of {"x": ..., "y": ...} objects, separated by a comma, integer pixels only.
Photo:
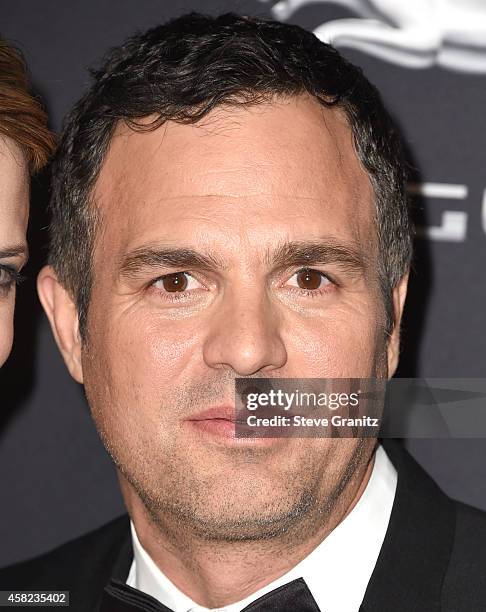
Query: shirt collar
[{"x": 336, "y": 572}]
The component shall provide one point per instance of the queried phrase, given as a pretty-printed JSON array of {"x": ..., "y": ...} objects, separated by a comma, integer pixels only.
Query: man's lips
[
  {"x": 221, "y": 423},
  {"x": 221, "y": 413},
  {"x": 217, "y": 421},
  {"x": 227, "y": 412}
]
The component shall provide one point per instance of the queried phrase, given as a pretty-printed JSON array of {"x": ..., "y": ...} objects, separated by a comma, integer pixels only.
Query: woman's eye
[
  {"x": 7, "y": 277},
  {"x": 309, "y": 280},
  {"x": 177, "y": 282}
]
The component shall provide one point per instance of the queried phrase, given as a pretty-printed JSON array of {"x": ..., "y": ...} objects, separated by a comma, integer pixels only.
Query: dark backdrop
[{"x": 56, "y": 479}]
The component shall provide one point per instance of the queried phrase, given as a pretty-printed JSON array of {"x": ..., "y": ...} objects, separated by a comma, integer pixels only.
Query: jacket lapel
[
  {"x": 121, "y": 565},
  {"x": 415, "y": 554}
]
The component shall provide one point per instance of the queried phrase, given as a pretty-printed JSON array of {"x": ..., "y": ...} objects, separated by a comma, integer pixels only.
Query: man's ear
[
  {"x": 63, "y": 317},
  {"x": 398, "y": 298}
]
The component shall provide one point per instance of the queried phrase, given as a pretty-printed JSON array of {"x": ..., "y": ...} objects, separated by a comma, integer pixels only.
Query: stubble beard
[{"x": 187, "y": 505}]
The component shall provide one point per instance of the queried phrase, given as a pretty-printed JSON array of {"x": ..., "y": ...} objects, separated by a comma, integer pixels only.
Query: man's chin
[{"x": 240, "y": 517}]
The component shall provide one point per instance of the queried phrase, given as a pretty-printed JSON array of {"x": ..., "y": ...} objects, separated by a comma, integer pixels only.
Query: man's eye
[
  {"x": 177, "y": 282},
  {"x": 309, "y": 280}
]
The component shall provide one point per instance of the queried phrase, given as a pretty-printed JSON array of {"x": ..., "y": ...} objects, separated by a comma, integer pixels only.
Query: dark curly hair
[{"x": 182, "y": 70}]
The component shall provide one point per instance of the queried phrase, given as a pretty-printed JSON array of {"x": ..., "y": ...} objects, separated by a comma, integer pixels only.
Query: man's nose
[{"x": 244, "y": 334}]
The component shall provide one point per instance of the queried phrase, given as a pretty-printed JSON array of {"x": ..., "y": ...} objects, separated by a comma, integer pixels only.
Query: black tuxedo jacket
[{"x": 433, "y": 556}]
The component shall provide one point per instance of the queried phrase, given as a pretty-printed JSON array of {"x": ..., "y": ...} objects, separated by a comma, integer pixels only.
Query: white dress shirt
[{"x": 336, "y": 572}]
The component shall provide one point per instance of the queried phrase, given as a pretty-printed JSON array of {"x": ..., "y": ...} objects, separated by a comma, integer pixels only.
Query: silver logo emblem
[{"x": 410, "y": 33}]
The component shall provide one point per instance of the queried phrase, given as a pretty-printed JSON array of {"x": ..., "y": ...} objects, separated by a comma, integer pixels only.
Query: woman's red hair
[{"x": 22, "y": 117}]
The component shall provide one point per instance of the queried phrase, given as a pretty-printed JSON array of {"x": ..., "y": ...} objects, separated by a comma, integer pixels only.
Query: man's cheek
[
  {"x": 173, "y": 345},
  {"x": 151, "y": 349},
  {"x": 332, "y": 348}
]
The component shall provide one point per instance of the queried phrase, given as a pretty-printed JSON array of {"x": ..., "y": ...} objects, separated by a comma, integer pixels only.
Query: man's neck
[{"x": 215, "y": 574}]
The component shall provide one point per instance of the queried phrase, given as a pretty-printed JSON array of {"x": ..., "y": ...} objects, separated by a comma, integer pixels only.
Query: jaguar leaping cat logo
[{"x": 411, "y": 33}]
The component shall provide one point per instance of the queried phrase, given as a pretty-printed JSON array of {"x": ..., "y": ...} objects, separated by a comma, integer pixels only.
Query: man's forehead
[
  {"x": 286, "y": 134},
  {"x": 276, "y": 160}
]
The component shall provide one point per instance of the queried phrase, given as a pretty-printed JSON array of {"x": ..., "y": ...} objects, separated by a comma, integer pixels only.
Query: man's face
[{"x": 200, "y": 277}]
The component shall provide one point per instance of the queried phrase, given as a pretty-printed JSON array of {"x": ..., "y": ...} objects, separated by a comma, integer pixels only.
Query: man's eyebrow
[
  {"x": 286, "y": 255},
  {"x": 14, "y": 251},
  {"x": 307, "y": 253},
  {"x": 143, "y": 259}
]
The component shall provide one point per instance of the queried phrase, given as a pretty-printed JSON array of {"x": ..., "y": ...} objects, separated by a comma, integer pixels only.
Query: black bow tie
[{"x": 292, "y": 597}]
